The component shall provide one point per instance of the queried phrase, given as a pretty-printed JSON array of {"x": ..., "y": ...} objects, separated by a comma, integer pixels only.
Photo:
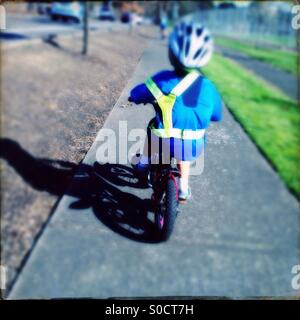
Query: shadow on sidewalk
[
  {"x": 95, "y": 187},
  {"x": 41, "y": 174}
]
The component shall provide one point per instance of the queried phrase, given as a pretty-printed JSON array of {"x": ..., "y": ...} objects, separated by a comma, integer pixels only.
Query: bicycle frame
[{"x": 159, "y": 174}]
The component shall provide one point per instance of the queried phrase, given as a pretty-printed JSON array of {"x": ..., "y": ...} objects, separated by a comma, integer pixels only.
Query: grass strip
[
  {"x": 270, "y": 118},
  {"x": 283, "y": 60}
]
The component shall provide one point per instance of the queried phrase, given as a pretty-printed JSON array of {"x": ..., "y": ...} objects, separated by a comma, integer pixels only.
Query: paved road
[
  {"x": 22, "y": 27},
  {"x": 239, "y": 236},
  {"x": 285, "y": 81}
]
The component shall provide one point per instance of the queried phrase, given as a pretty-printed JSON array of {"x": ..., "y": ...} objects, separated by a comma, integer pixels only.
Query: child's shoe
[
  {"x": 185, "y": 196},
  {"x": 141, "y": 169}
]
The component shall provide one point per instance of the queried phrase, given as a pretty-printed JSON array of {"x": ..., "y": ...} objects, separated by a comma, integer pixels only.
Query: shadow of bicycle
[
  {"x": 97, "y": 187},
  {"x": 126, "y": 214}
]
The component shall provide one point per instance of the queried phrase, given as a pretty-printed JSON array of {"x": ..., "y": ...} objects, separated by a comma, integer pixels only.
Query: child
[
  {"x": 184, "y": 100},
  {"x": 163, "y": 26}
]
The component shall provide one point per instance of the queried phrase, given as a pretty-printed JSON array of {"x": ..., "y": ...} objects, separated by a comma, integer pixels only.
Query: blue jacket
[{"x": 194, "y": 109}]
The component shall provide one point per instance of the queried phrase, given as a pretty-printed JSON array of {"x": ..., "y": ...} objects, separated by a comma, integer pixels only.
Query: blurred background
[
  {"x": 64, "y": 65},
  {"x": 262, "y": 22}
]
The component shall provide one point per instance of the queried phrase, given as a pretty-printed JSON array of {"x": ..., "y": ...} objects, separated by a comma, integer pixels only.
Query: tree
[{"x": 85, "y": 28}]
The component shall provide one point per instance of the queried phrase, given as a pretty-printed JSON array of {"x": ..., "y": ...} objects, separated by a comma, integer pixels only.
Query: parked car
[
  {"x": 67, "y": 11},
  {"x": 107, "y": 13}
]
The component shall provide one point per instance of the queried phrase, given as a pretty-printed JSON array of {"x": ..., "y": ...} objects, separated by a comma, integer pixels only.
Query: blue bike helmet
[{"x": 190, "y": 45}]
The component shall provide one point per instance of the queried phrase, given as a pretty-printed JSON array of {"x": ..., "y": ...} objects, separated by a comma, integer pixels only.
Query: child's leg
[
  {"x": 184, "y": 168},
  {"x": 151, "y": 148}
]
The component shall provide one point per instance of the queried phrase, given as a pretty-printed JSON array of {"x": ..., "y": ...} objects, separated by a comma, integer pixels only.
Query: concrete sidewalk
[{"x": 239, "y": 236}]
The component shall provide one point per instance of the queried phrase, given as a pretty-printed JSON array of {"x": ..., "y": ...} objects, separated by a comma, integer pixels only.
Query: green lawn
[
  {"x": 270, "y": 118},
  {"x": 283, "y": 60}
]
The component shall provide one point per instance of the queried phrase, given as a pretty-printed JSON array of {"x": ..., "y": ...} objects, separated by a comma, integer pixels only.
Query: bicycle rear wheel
[{"x": 167, "y": 211}]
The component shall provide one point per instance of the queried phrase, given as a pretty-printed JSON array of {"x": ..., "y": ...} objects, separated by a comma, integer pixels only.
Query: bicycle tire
[{"x": 171, "y": 204}]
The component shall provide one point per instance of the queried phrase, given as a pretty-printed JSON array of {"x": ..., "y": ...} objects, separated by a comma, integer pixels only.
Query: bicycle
[{"x": 163, "y": 179}]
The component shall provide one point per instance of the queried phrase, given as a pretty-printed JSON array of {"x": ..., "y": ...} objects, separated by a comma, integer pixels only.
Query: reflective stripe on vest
[
  {"x": 178, "y": 133},
  {"x": 185, "y": 83},
  {"x": 166, "y": 104}
]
